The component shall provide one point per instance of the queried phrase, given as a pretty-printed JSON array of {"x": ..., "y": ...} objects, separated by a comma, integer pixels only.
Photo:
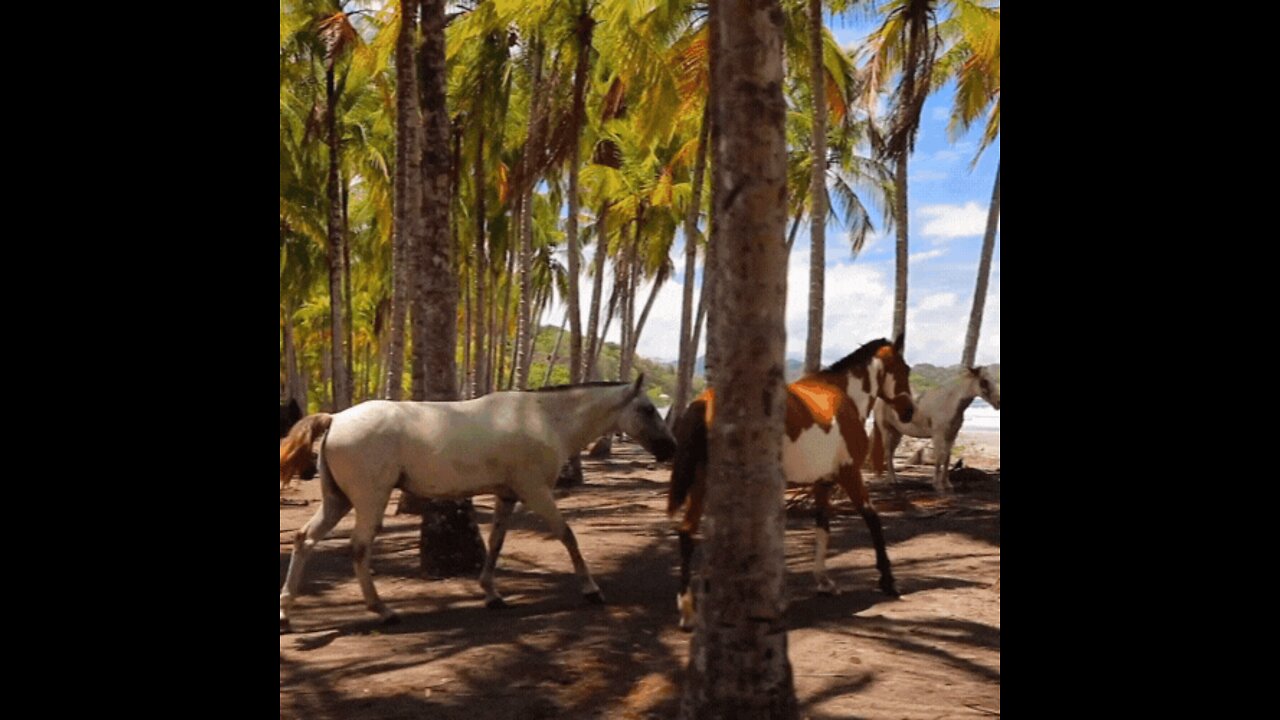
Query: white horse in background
[
  {"x": 939, "y": 414},
  {"x": 511, "y": 444}
]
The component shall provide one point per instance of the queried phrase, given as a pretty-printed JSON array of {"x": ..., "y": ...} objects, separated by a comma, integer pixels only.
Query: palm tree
[
  {"x": 974, "y": 61},
  {"x": 907, "y": 42},
  {"x": 451, "y": 543},
  {"x": 738, "y": 665},
  {"x": 407, "y": 192}
]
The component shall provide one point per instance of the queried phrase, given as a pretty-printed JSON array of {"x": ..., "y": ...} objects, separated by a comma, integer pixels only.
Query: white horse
[
  {"x": 511, "y": 444},
  {"x": 939, "y": 414}
]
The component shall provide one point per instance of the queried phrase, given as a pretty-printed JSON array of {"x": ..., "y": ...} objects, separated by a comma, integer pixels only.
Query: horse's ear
[
  {"x": 975, "y": 371},
  {"x": 635, "y": 389},
  {"x": 898, "y": 342}
]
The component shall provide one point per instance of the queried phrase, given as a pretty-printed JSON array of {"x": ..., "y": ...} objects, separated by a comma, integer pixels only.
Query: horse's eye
[{"x": 984, "y": 385}]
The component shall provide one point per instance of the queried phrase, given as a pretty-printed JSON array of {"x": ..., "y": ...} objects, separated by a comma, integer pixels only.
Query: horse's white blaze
[{"x": 815, "y": 454}]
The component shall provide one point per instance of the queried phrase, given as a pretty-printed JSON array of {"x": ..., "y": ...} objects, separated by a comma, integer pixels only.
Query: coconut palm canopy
[{"x": 574, "y": 141}]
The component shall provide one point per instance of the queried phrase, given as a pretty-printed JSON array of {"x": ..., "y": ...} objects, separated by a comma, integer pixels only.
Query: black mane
[
  {"x": 859, "y": 357},
  {"x": 594, "y": 383}
]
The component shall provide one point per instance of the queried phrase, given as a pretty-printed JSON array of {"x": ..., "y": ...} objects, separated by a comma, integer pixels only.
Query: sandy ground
[{"x": 934, "y": 653}]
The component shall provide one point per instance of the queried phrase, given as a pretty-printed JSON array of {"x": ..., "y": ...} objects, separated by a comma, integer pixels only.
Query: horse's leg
[
  {"x": 334, "y": 506},
  {"x": 851, "y": 480},
  {"x": 941, "y": 468},
  {"x": 821, "y": 535},
  {"x": 540, "y": 501},
  {"x": 692, "y": 517},
  {"x": 891, "y": 439},
  {"x": 501, "y": 515},
  {"x": 368, "y": 523}
]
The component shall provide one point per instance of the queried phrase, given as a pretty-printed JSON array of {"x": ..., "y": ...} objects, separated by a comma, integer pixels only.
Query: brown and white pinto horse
[{"x": 826, "y": 443}]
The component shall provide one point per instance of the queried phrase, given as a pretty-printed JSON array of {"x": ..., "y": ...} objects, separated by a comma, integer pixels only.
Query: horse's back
[{"x": 440, "y": 449}]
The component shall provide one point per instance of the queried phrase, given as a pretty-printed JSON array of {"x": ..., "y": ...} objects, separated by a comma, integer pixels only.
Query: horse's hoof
[
  {"x": 686, "y": 628},
  {"x": 595, "y": 598},
  {"x": 496, "y": 604},
  {"x": 391, "y": 619},
  {"x": 887, "y": 587},
  {"x": 285, "y": 627}
]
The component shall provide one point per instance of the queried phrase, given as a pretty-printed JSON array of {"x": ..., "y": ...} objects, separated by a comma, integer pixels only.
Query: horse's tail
[
  {"x": 295, "y": 449},
  {"x": 877, "y": 448},
  {"x": 691, "y": 450}
]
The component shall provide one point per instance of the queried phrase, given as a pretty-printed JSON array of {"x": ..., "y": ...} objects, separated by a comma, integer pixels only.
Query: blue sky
[{"x": 948, "y": 206}]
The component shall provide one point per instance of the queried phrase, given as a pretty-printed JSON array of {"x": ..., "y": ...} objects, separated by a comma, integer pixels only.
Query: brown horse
[{"x": 826, "y": 443}]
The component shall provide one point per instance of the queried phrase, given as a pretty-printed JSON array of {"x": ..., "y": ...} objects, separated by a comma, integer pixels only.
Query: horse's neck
[
  {"x": 860, "y": 384},
  {"x": 950, "y": 399},
  {"x": 583, "y": 414}
]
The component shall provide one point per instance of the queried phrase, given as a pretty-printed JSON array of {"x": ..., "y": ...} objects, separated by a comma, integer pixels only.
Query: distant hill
[
  {"x": 923, "y": 375},
  {"x": 660, "y": 376}
]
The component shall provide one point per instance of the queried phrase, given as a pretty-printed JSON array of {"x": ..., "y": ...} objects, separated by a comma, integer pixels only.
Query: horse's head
[
  {"x": 895, "y": 379},
  {"x": 986, "y": 386},
  {"x": 641, "y": 421}
]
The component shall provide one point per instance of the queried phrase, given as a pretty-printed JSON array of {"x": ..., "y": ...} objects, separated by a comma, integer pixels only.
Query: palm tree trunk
[
  {"x": 686, "y": 360},
  {"x": 583, "y": 31},
  {"x": 629, "y": 301},
  {"x": 341, "y": 390},
  {"x": 525, "y": 225},
  {"x": 295, "y": 388},
  {"x": 984, "y": 274},
  {"x": 900, "y": 279},
  {"x": 738, "y": 665},
  {"x": 481, "y": 267},
  {"x": 349, "y": 318},
  {"x": 644, "y": 315},
  {"x": 555, "y": 352},
  {"x": 594, "y": 373},
  {"x": 597, "y": 287},
  {"x": 500, "y": 345},
  {"x": 817, "y": 193},
  {"x": 451, "y": 544},
  {"x": 795, "y": 225},
  {"x": 407, "y": 196}
]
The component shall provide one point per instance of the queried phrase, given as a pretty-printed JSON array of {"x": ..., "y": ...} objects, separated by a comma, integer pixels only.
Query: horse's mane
[
  {"x": 594, "y": 383},
  {"x": 859, "y": 357}
]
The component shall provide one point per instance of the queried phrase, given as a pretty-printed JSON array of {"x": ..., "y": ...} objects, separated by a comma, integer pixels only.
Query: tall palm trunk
[
  {"x": 341, "y": 386},
  {"x": 684, "y": 375},
  {"x": 585, "y": 26},
  {"x": 629, "y": 300},
  {"x": 644, "y": 316},
  {"x": 900, "y": 219},
  {"x": 738, "y": 665},
  {"x": 451, "y": 543},
  {"x": 817, "y": 193},
  {"x": 533, "y": 140},
  {"x": 295, "y": 387},
  {"x": 481, "y": 267},
  {"x": 349, "y": 318},
  {"x": 500, "y": 343},
  {"x": 555, "y": 352},
  {"x": 984, "y": 274},
  {"x": 597, "y": 287},
  {"x": 407, "y": 197}
]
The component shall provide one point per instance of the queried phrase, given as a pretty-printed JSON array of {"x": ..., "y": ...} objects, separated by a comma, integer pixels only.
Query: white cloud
[
  {"x": 940, "y": 113},
  {"x": 937, "y": 301},
  {"x": 945, "y": 222},
  {"x": 858, "y": 307},
  {"x": 922, "y": 256}
]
